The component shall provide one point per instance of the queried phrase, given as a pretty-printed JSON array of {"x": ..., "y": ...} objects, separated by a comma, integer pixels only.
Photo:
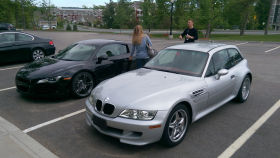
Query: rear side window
[
  {"x": 7, "y": 37},
  {"x": 23, "y": 37},
  {"x": 234, "y": 57}
]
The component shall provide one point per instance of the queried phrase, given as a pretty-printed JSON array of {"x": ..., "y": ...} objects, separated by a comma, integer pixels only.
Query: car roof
[
  {"x": 99, "y": 41},
  {"x": 201, "y": 47}
]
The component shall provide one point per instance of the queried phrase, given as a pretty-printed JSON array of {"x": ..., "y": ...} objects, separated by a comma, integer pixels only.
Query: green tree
[
  {"x": 238, "y": 13},
  {"x": 109, "y": 14},
  {"x": 211, "y": 12},
  {"x": 68, "y": 27},
  {"x": 17, "y": 12},
  {"x": 124, "y": 15},
  {"x": 162, "y": 14},
  {"x": 148, "y": 8},
  {"x": 75, "y": 28},
  {"x": 262, "y": 10},
  {"x": 99, "y": 7}
]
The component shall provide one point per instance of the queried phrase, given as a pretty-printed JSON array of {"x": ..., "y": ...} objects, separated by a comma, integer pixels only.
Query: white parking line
[
  {"x": 9, "y": 68},
  {"x": 241, "y": 43},
  {"x": 272, "y": 49},
  {"x": 1, "y": 90},
  {"x": 53, "y": 121},
  {"x": 247, "y": 134}
]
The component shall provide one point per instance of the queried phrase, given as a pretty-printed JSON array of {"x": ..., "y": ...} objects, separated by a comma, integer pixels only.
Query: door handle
[{"x": 232, "y": 76}]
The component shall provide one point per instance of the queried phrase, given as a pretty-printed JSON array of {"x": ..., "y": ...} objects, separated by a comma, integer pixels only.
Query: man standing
[{"x": 190, "y": 34}]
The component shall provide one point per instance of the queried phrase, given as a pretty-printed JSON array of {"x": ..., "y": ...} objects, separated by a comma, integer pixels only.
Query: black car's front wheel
[
  {"x": 82, "y": 84},
  {"x": 37, "y": 54},
  {"x": 176, "y": 126}
]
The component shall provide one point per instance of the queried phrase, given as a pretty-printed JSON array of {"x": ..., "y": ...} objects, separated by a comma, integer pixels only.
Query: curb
[{"x": 16, "y": 144}]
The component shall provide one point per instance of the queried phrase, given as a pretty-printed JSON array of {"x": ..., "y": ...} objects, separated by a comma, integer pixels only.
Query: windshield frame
[{"x": 180, "y": 71}]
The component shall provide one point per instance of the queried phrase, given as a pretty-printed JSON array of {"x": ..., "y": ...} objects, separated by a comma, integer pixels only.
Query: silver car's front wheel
[
  {"x": 37, "y": 54},
  {"x": 176, "y": 126}
]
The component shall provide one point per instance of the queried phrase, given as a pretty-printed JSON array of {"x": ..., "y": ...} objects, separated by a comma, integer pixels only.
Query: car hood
[
  {"x": 47, "y": 67},
  {"x": 134, "y": 87}
]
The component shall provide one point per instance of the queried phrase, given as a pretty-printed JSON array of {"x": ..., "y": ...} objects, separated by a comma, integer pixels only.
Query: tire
[
  {"x": 37, "y": 54},
  {"x": 177, "y": 124},
  {"x": 244, "y": 90},
  {"x": 82, "y": 84}
]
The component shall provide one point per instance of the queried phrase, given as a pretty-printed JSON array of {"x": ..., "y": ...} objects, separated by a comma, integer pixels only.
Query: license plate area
[{"x": 99, "y": 122}]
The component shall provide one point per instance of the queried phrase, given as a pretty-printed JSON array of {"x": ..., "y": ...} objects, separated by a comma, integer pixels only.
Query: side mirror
[
  {"x": 220, "y": 73},
  {"x": 101, "y": 58}
]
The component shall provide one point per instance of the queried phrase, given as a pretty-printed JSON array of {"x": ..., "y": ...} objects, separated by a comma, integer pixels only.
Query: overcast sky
[{"x": 76, "y": 3}]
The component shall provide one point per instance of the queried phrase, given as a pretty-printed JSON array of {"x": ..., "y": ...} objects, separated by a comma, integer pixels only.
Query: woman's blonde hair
[{"x": 137, "y": 35}]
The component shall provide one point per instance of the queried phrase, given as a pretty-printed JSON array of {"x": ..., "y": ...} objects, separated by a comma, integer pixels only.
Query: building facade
[
  {"x": 78, "y": 15},
  {"x": 274, "y": 18}
]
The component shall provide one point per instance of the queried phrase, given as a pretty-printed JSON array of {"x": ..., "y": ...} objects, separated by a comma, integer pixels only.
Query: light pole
[{"x": 171, "y": 19}]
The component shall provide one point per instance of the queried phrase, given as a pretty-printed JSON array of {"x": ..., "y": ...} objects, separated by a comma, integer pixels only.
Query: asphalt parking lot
[{"x": 69, "y": 137}]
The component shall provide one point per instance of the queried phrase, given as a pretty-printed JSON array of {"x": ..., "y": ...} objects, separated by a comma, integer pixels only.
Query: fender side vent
[{"x": 198, "y": 92}]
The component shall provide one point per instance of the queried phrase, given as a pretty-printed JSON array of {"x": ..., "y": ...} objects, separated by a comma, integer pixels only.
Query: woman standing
[{"x": 139, "y": 44}]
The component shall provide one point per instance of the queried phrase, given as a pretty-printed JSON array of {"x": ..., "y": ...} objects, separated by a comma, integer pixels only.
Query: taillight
[{"x": 51, "y": 42}]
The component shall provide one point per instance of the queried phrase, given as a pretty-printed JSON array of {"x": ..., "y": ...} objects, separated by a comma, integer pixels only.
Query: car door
[
  {"x": 234, "y": 66},
  {"x": 104, "y": 66},
  {"x": 219, "y": 90},
  {"x": 23, "y": 46},
  {"x": 6, "y": 47},
  {"x": 120, "y": 55}
]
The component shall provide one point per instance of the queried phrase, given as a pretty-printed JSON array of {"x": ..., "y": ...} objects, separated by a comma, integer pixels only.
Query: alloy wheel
[
  {"x": 177, "y": 125},
  {"x": 38, "y": 54},
  {"x": 82, "y": 84},
  {"x": 246, "y": 88}
]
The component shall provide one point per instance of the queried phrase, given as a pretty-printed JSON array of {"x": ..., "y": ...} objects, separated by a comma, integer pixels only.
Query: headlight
[
  {"x": 138, "y": 114},
  {"x": 49, "y": 80},
  {"x": 91, "y": 100}
]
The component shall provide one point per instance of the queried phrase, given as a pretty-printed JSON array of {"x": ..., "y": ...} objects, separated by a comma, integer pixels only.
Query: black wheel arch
[
  {"x": 250, "y": 76},
  {"x": 188, "y": 106},
  {"x": 84, "y": 70},
  {"x": 34, "y": 48}
]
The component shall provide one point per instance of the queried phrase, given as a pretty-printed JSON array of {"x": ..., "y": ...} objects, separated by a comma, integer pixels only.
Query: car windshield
[
  {"x": 76, "y": 52},
  {"x": 179, "y": 61}
]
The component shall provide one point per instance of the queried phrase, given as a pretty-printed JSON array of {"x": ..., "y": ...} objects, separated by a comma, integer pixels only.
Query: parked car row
[{"x": 158, "y": 102}]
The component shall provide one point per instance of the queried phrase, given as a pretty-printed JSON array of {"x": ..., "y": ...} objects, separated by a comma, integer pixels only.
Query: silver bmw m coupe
[{"x": 176, "y": 88}]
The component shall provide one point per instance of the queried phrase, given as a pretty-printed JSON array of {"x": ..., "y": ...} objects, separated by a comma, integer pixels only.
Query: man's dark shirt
[{"x": 192, "y": 32}]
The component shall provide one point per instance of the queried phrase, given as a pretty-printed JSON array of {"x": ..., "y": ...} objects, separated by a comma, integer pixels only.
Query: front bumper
[
  {"x": 134, "y": 132},
  {"x": 32, "y": 88}
]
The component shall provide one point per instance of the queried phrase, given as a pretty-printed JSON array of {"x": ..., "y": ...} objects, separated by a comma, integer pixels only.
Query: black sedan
[
  {"x": 19, "y": 46},
  {"x": 76, "y": 69}
]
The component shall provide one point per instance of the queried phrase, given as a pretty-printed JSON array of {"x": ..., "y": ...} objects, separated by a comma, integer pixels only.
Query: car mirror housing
[{"x": 220, "y": 73}]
